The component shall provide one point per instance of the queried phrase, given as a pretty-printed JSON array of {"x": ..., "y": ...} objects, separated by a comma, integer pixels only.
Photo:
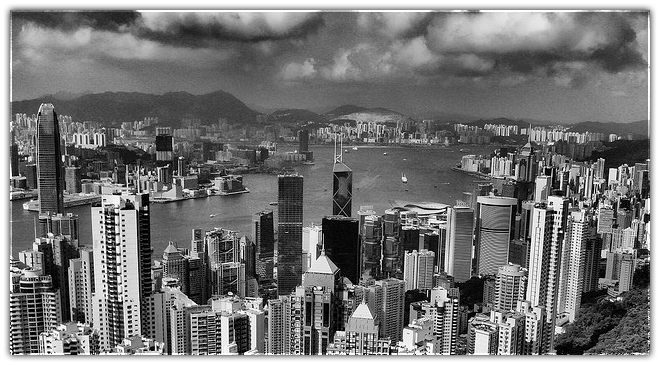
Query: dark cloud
[
  {"x": 206, "y": 29},
  {"x": 73, "y": 20}
]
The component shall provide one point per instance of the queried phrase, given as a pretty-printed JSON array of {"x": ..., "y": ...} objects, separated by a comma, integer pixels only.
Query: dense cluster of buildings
[{"x": 536, "y": 238}]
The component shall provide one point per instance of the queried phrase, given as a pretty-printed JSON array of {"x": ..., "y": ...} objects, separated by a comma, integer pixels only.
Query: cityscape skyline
[
  {"x": 297, "y": 60},
  {"x": 197, "y": 226}
]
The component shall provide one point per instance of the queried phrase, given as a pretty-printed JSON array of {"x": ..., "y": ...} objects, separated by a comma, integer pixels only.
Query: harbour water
[{"x": 376, "y": 182}]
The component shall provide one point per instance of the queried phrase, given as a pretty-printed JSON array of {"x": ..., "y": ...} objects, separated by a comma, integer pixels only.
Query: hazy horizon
[{"x": 546, "y": 66}]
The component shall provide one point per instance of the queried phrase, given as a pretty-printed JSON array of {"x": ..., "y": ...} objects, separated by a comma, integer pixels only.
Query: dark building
[
  {"x": 290, "y": 221},
  {"x": 341, "y": 242},
  {"x": 13, "y": 153},
  {"x": 73, "y": 179},
  {"x": 409, "y": 239},
  {"x": 371, "y": 237},
  {"x": 264, "y": 239},
  {"x": 432, "y": 241},
  {"x": 303, "y": 140},
  {"x": 49, "y": 161},
  {"x": 164, "y": 147},
  {"x": 519, "y": 253},
  {"x": 342, "y": 189},
  {"x": 391, "y": 263}
]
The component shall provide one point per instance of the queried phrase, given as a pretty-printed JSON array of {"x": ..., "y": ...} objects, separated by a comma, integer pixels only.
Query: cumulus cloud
[
  {"x": 394, "y": 25},
  {"x": 298, "y": 71}
]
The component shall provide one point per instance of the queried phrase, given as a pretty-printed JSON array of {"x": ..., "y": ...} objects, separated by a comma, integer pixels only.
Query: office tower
[
  {"x": 312, "y": 244},
  {"x": 443, "y": 307},
  {"x": 392, "y": 292},
  {"x": 410, "y": 238},
  {"x": 13, "y": 153},
  {"x": 605, "y": 219},
  {"x": 264, "y": 239},
  {"x": 626, "y": 272},
  {"x": 361, "y": 336},
  {"x": 69, "y": 339},
  {"x": 548, "y": 225},
  {"x": 591, "y": 264},
  {"x": 122, "y": 267},
  {"x": 509, "y": 287},
  {"x": 535, "y": 318},
  {"x": 342, "y": 187},
  {"x": 164, "y": 147},
  {"x": 81, "y": 285},
  {"x": 458, "y": 259},
  {"x": 341, "y": 242},
  {"x": 65, "y": 225},
  {"x": 495, "y": 229},
  {"x": 371, "y": 236},
  {"x": 49, "y": 161},
  {"x": 33, "y": 309},
  {"x": 290, "y": 221},
  {"x": 175, "y": 266},
  {"x": 572, "y": 273},
  {"x": 226, "y": 272},
  {"x": 72, "y": 179},
  {"x": 248, "y": 256},
  {"x": 57, "y": 251},
  {"x": 599, "y": 172},
  {"x": 418, "y": 269},
  {"x": 181, "y": 166},
  {"x": 613, "y": 265},
  {"x": 519, "y": 253},
  {"x": 303, "y": 140},
  {"x": 391, "y": 262},
  {"x": 435, "y": 243}
]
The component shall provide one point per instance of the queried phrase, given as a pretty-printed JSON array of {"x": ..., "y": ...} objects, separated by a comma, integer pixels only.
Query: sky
[{"x": 559, "y": 66}]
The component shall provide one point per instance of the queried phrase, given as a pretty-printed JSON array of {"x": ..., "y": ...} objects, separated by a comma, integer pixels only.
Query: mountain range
[{"x": 112, "y": 108}]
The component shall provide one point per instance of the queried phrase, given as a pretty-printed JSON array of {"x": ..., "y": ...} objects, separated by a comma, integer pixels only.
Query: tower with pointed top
[
  {"x": 49, "y": 161},
  {"x": 342, "y": 184}
]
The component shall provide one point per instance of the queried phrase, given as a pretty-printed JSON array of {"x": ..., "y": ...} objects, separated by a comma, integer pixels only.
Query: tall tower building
[
  {"x": 458, "y": 257},
  {"x": 81, "y": 285},
  {"x": 547, "y": 235},
  {"x": 264, "y": 238},
  {"x": 342, "y": 185},
  {"x": 572, "y": 273},
  {"x": 418, "y": 269},
  {"x": 392, "y": 254},
  {"x": 303, "y": 140},
  {"x": 49, "y": 161},
  {"x": 122, "y": 267},
  {"x": 495, "y": 229},
  {"x": 391, "y": 309},
  {"x": 33, "y": 309},
  {"x": 341, "y": 242},
  {"x": 312, "y": 245},
  {"x": 510, "y": 287},
  {"x": 290, "y": 222},
  {"x": 443, "y": 307},
  {"x": 371, "y": 236}
]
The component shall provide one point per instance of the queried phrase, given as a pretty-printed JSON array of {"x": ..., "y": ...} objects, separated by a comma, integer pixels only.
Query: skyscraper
[
  {"x": 341, "y": 242},
  {"x": 290, "y": 221},
  {"x": 122, "y": 265},
  {"x": 49, "y": 161},
  {"x": 572, "y": 273},
  {"x": 81, "y": 285},
  {"x": 458, "y": 258},
  {"x": 370, "y": 236},
  {"x": 264, "y": 238},
  {"x": 342, "y": 189},
  {"x": 418, "y": 269},
  {"x": 495, "y": 229},
  {"x": 510, "y": 287}
]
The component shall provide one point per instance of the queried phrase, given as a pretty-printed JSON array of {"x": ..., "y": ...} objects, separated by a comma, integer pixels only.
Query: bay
[{"x": 376, "y": 182}]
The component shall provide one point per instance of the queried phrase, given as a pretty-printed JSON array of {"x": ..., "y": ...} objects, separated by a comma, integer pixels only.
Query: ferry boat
[
  {"x": 404, "y": 179},
  {"x": 211, "y": 215},
  {"x": 384, "y": 153},
  {"x": 355, "y": 148},
  {"x": 272, "y": 203}
]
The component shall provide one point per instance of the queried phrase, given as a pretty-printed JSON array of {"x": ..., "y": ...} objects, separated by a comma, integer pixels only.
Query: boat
[
  {"x": 272, "y": 203},
  {"x": 346, "y": 151},
  {"x": 384, "y": 153},
  {"x": 404, "y": 179},
  {"x": 355, "y": 148},
  {"x": 211, "y": 215},
  {"x": 308, "y": 163}
]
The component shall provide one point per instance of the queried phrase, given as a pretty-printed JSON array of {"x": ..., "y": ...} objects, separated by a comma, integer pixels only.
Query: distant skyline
[{"x": 562, "y": 66}]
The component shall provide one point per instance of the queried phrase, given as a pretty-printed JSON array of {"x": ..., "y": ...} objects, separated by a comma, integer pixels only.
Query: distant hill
[
  {"x": 111, "y": 108},
  {"x": 293, "y": 116},
  {"x": 639, "y": 128}
]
